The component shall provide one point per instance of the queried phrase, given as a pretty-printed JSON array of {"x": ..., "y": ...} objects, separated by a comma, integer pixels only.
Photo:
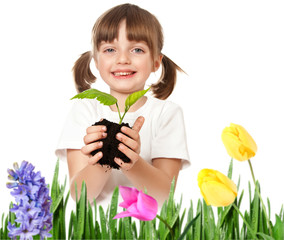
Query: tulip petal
[
  {"x": 129, "y": 196},
  {"x": 228, "y": 182},
  {"x": 217, "y": 194},
  {"x": 204, "y": 195},
  {"x": 246, "y": 138},
  {"x": 203, "y": 174},
  {"x": 232, "y": 145},
  {"x": 130, "y": 212},
  {"x": 206, "y": 175},
  {"x": 147, "y": 206}
]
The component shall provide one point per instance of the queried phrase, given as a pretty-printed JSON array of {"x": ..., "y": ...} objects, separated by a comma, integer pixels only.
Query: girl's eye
[
  {"x": 109, "y": 50},
  {"x": 138, "y": 50}
]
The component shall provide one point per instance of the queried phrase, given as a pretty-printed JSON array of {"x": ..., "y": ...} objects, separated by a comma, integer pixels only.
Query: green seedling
[{"x": 107, "y": 99}]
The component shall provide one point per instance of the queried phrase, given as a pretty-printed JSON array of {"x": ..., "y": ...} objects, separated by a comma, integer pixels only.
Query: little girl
[{"x": 126, "y": 47}]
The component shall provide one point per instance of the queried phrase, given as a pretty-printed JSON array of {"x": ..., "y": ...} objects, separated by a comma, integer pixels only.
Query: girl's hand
[
  {"x": 130, "y": 145},
  {"x": 91, "y": 139}
]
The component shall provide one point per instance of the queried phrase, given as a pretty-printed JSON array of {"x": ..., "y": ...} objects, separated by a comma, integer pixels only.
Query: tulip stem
[
  {"x": 258, "y": 193},
  {"x": 246, "y": 223},
  {"x": 168, "y": 226}
]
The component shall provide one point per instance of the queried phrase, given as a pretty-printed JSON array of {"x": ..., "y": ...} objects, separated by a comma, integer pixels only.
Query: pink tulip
[{"x": 137, "y": 204}]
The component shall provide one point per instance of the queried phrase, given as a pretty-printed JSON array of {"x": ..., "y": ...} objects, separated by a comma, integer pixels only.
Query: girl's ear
[{"x": 157, "y": 62}]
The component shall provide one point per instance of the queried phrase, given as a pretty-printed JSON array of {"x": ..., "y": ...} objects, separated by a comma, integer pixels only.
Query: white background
[{"x": 232, "y": 51}]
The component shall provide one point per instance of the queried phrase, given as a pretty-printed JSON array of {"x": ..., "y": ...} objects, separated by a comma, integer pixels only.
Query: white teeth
[{"x": 122, "y": 73}]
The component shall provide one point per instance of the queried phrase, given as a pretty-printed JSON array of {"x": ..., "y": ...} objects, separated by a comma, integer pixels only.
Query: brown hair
[{"x": 140, "y": 26}]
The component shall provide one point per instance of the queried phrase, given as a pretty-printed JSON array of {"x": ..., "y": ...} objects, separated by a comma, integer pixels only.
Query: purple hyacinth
[{"x": 32, "y": 208}]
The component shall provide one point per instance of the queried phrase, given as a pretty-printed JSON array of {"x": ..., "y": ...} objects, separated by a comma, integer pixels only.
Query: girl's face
[{"x": 125, "y": 65}]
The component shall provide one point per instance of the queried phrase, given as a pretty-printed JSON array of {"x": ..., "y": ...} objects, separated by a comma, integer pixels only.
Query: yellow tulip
[
  {"x": 239, "y": 144},
  {"x": 216, "y": 189}
]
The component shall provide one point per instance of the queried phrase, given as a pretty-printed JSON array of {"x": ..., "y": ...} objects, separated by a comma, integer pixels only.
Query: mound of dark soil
[{"x": 110, "y": 144}]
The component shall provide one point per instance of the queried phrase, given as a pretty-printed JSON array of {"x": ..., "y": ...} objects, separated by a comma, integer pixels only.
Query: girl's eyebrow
[{"x": 132, "y": 42}]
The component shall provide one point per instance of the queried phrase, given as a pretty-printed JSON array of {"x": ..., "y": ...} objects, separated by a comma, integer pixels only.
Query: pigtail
[
  {"x": 165, "y": 86},
  {"x": 82, "y": 73}
]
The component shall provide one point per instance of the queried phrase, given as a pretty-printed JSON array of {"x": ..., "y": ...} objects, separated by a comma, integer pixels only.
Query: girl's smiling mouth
[{"x": 123, "y": 73}]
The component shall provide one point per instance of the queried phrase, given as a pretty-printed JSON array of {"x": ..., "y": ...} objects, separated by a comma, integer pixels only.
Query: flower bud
[
  {"x": 238, "y": 143},
  {"x": 216, "y": 189}
]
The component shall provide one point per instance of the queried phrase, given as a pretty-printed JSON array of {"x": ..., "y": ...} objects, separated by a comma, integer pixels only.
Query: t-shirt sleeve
[
  {"x": 74, "y": 129},
  {"x": 170, "y": 138}
]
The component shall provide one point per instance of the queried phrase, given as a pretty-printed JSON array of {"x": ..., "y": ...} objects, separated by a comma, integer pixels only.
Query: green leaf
[
  {"x": 113, "y": 212},
  {"x": 281, "y": 215},
  {"x": 186, "y": 229},
  {"x": 95, "y": 209},
  {"x": 98, "y": 234},
  {"x": 170, "y": 202},
  {"x": 81, "y": 210},
  {"x": 208, "y": 221},
  {"x": 5, "y": 233},
  {"x": 149, "y": 231},
  {"x": 132, "y": 98},
  {"x": 102, "y": 97},
  {"x": 236, "y": 223},
  {"x": 266, "y": 237},
  {"x": 90, "y": 216},
  {"x": 59, "y": 198},
  {"x": 268, "y": 205},
  {"x": 189, "y": 234},
  {"x": 278, "y": 229},
  {"x": 72, "y": 223},
  {"x": 225, "y": 214},
  {"x": 198, "y": 224},
  {"x": 230, "y": 171},
  {"x": 254, "y": 211},
  {"x": 134, "y": 229},
  {"x": 54, "y": 187},
  {"x": 105, "y": 234},
  {"x": 87, "y": 232},
  {"x": 240, "y": 199}
]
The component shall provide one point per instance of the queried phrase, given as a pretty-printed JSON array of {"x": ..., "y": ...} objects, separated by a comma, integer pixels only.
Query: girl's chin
[{"x": 124, "y": 89}]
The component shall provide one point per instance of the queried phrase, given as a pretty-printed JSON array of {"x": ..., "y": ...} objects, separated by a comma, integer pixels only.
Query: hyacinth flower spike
[{"x": 32, "y": 208}]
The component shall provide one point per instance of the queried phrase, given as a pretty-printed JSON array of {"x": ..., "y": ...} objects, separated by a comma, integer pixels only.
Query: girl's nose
[{"x": 123, "y": 58}]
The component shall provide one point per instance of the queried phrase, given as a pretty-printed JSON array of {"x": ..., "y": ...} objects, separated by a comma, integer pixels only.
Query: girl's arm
[
  {"x": 83, "y": 166},
  {"x": 155, "y": 178},
  {"x": 95, "y": 176}
]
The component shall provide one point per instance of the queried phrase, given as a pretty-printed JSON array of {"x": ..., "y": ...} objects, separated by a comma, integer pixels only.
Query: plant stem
[
  {"x": 168, "y": 226},
  {"x": 121, "y": 118},
  {"x": 246, "y": 223},
  {"x": 118, "y": 111},
  {"x": 262, "y": 203}
]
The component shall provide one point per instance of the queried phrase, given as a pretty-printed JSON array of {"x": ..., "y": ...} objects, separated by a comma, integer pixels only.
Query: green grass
[{"x": 198, "y": 222}]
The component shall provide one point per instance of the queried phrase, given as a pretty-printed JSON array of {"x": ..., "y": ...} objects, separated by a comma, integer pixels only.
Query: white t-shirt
[{"x": 162, "y": 134}]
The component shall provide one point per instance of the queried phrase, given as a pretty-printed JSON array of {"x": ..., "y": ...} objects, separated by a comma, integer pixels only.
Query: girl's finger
[
  {"x": 123, "y": 165},
  {"x": 134, "y": 131},
  {"x": 94, "y": 159},
  {"x": 96, "y": 128},
  {"x": 138, "y": 124},
  {"x": 87, "y": 149},
  {"x": 134, "y": 145},
  {"x": 92, "y": 137},
  {"x": 133, "y": 156}
]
